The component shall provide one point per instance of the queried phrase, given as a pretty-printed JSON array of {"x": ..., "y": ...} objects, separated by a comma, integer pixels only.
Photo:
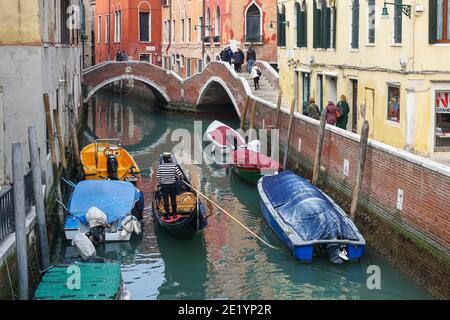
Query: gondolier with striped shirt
[{"x": 167, "y": 174}]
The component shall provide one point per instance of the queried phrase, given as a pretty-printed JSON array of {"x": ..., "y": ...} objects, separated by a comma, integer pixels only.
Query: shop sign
[
  {"x": 443, "y": 102},
  {"x": 150, "y": 48}
]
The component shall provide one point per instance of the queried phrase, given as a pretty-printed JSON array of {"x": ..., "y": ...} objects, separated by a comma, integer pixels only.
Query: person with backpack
[
  {"x": 256, "y": 74},
  {"x": 312, "y": 110},
  {"x": 344, "y": 110},
  {"x": 251, "y": 58}
]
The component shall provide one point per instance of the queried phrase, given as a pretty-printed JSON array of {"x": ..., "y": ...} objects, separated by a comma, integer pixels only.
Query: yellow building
[{"x": 392, "y": 62}]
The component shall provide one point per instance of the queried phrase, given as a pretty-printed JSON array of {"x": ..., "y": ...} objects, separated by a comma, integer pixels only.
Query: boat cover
[
  {"x": 115, "y": 198},
  {"x": 224, "y": 135},
  {"x": 245, "y": 158},
  {"x": 304, "y": 207}
]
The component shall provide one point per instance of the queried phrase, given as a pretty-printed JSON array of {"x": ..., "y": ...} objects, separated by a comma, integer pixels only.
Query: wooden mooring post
[
  {"x": 318, "y": 155},
  {"x": 62, "y": 149},
  {"x": 289, "y": 134},
  {"x": 277, "y": 115},
  {"x": 20, "y": 220},
  {"x": 244, "y": 114},
  {"x": 361, "y": 164},
  {"x": 38, "y": 197},
  {"x": 74, "y": 138}
]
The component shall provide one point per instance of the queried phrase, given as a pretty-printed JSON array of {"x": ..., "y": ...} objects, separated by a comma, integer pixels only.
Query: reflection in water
[{"x": 224, "y": 262}]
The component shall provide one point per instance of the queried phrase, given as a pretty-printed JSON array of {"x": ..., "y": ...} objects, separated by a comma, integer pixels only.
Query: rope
[
  {"x": 69, "y": 183},
  {"x": 231, "y": 216}
]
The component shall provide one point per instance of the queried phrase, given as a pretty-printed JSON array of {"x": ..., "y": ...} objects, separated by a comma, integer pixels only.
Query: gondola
[{"x": 190, "y": 219}]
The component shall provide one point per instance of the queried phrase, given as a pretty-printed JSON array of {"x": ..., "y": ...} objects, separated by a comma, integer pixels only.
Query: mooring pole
[
  {"x": 319, "y": 146},
  {"x": 38, "y": 197},
  {"x": 74, "y": 138},
  {"x": 20, "y": 224},
  {"x": 252, "y": 122},
  {"x": 277, "y": 115},
  {"x": 244, "y": 113},
  {"x": 291, "y": 121},
  {"x": 361, "y": 164},
  {"x": 62, "y": 149}
]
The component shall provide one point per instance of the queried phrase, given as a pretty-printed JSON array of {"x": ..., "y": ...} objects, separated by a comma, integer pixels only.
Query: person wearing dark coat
[
  {"x": 312, "y": 110},
  {"x": 238, "y": 60},
  {"x": 229, "y": 55},
  {"x": 331, "y": 115},
  {"x": 251, "y": 58},
  {"x": 344, "y": 111}
]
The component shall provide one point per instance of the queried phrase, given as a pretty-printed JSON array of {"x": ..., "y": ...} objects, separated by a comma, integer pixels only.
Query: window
[
  {"x": 354, "y": 44},
  {"x": 371, "y": 21},
  {"x": 144, "y": 26},
  {"x": 253, "y": 24},
  {"x": 393, "y": 103},
  {"x": 188, "y": 67},
  {"x": 107, "y": 28},
  {"x": 217, "y": 24},
  {"x": 324, "y": 23},
  {"x": 398, "y": 15},
  {"x": 301, "y": 24},
  {"x": 99, "y": 29},
  {"x": 182, "y": 31},
  {"x": 199, "y": 29},
  {"x": 208, "y": 23},
  {"x": 317, "y": 26},
  {"x": 442, "y": 107},
  {"x": 189, "y": 31},
  {"x": 117, "y": 26},
  {"x": 173, "y": 31},
  {"x": 439, "y": 29},
  {"x": 282, "y": 27},
  {"x": 166, "y": 31},
  {"x": 199, "y": 66}
]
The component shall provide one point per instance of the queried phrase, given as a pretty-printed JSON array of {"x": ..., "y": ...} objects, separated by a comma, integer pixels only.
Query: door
[
  {"x": 354, "y": 105},
  {"x": 306, "y": 88},
  {"x": 296, "y": 90},
  {"x": 319, "y": 94},
  {"x": 368, "y": 109}
]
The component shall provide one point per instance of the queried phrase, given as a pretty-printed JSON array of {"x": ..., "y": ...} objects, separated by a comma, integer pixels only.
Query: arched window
[
  {"x": 253, "y": 24},
  {"x": 217, "y": 24},
  {"x": 324, "y": 33},
  {"x": 282, "y": 26},
  {"x": 301, "y": 24},
  {"x": 144, "y": 24},
  {"x": 208, "y": 23}
]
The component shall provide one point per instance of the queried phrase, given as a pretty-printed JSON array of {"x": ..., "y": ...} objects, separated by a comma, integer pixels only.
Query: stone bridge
[{"x": 217, "y": 83}]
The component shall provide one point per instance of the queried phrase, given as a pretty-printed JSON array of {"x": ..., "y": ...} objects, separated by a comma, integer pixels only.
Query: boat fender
[
  {"x": 84, "y": 246},
  {"x": 96, "y": 217},
  {"x": 127, "y": 224},
  {"x": 136, "y": 226},
  {"x": 123, "y": 233}
]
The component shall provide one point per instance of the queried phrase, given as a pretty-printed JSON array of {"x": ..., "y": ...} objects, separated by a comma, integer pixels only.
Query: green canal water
[{"x": 226, "y": 262}]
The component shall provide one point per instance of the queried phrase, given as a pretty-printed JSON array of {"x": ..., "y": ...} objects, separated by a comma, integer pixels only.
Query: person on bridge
[
  {"x": 118, "y": 55},
  {"x": 256, "y": 74},
  {"x": 167, "y": 174},
  {"x": 251, "y": 58}
]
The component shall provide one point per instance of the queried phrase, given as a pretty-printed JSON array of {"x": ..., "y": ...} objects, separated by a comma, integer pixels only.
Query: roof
[
  {"x": 114, "y": 198},
  {"x": 98, "y": 281}
]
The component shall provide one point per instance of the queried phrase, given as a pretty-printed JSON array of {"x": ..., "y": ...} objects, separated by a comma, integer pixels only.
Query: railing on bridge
[{"x": 7, "y": 205}]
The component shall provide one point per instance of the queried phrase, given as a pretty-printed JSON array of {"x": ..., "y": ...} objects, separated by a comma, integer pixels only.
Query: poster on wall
[{"x": 442, "y": 101}]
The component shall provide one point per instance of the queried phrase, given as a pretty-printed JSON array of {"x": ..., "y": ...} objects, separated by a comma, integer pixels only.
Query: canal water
[{"x": 226, "y": 262}]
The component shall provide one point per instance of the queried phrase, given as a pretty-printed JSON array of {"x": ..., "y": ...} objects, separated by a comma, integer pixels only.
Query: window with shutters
[
  {"x": 439, "y": 19},
  {"x": 333, "y": 26},
  {"x": 324, "y": 24},
  {"x": 282, "y": 27},
  {"x": 398, "y": 19},
  {"x": 371, "y": 21},
  {"x": 317, "y": 26},
  {"x": 301, "y": 25},
  {"x": 253, "y": 24},
  {"x": 144, "y": 26},
  {"x": 354, "y": 43}
]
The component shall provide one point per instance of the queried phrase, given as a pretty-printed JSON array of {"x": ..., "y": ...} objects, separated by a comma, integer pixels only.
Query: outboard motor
[
  {"x": 96, "y": 235},
  {"x": 112, "y": 166}
]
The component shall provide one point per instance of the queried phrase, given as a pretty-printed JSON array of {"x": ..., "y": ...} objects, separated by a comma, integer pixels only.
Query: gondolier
[{"x": 167, "y": 174}]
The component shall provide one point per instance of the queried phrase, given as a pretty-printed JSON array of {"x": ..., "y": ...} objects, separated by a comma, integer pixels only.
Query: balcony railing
[
  {"x": 207, "y": 39},
  {"x": 216, "y": 39},
  {"x": 7, "y": 205},
  {"x": 253, "y": 39}
]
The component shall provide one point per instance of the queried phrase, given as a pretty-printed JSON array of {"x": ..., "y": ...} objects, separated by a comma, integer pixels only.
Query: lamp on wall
[
  {"x": 406, "y": 9},
  {"x": 285, "y": 23}
]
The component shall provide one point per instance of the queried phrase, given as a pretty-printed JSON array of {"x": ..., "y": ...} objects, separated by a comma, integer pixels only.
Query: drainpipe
[
  {"x": 109, "y": 30},
  {"x": 203, "y": 32},
  {"x": 170, "y": 32}
]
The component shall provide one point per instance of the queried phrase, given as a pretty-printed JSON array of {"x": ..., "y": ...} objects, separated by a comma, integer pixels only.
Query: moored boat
[
  {"x": 307, "y": 220},
  {"x": 190, "y": 218},
  {"x": 225, "y": 138},
  {"x": 251, "y": 165},
  {"x": 107, "y": 210},
  {"x": 96, "y": 281},
  {"x": 106, "y": 159}
]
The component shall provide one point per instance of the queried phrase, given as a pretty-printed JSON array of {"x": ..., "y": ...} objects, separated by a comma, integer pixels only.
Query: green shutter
[
  {"x": 326, "y": 26},
  {"x": 283, "y": 29},
  {"x": 398, "y": 15},
  {"x": 298, "y": 25},
  {"x": 355, "y": 25},
  {"x": 432, "y": 28},
  {"x": 279, "y": 29},
  {"x": 304, "y": 29},
  {"x": 315, "y": 25},
  {"x": 334, "y": 27}
]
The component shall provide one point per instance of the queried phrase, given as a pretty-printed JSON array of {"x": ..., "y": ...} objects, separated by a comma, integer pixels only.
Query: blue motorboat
[
  {"x": 307, "y": 220},
  {"x": 120, "y": 201}
]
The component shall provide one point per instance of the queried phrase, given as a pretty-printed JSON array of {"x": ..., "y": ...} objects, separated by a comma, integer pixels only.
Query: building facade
[
  {"x": 40, "y": 52},
  {"x": 190, "y": 42},
  {"x": 130, "y": 25},
  {"x": 392, "y": 64}
]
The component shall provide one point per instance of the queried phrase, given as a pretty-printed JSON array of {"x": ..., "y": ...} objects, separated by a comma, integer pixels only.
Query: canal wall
[{"x": 404, "y": 209}]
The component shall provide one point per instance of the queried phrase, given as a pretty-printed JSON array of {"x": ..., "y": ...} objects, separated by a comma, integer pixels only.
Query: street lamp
[{"x": 406, "y": 9}]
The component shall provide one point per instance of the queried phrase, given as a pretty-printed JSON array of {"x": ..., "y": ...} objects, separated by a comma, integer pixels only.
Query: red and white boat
[
  {"x": 251, "y": 165},
  {"x": 223, "y": 137}
]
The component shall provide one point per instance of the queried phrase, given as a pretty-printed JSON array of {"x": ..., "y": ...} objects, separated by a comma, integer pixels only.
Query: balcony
[
  {"x": 256, "y": 39},
  {"x": 207, "y": 40},
  {"x": 216, "y": 40}
]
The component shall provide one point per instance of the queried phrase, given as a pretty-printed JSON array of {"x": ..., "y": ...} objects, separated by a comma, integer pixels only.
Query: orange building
[
  {"x": 130, "y": 25},
  {"x": 190, "y": 42}
]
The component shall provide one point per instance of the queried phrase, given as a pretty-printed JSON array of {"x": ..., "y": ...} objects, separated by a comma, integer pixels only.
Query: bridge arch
[
  {"x": 156, "y": 89},
  {"x": 216, "y": 80}
]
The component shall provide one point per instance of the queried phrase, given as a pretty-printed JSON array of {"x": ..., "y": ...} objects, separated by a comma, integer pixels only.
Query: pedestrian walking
[
  {"x": 229, "y": 55},
  {"x": 118, "y": 56},
  {"x": 256, "y": 74},
  {"x": 332, "y": 112},
  {"x": 312, "y": 110},
  {"x": 238, "y": 60},
  {"x": 251, "y": 58},
  {"x": 124, "y": 56},
  {"x": 344, "y": 110}
]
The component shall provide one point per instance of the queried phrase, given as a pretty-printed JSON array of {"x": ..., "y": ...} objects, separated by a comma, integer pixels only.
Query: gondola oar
[{"x": 236, "y": 220}]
